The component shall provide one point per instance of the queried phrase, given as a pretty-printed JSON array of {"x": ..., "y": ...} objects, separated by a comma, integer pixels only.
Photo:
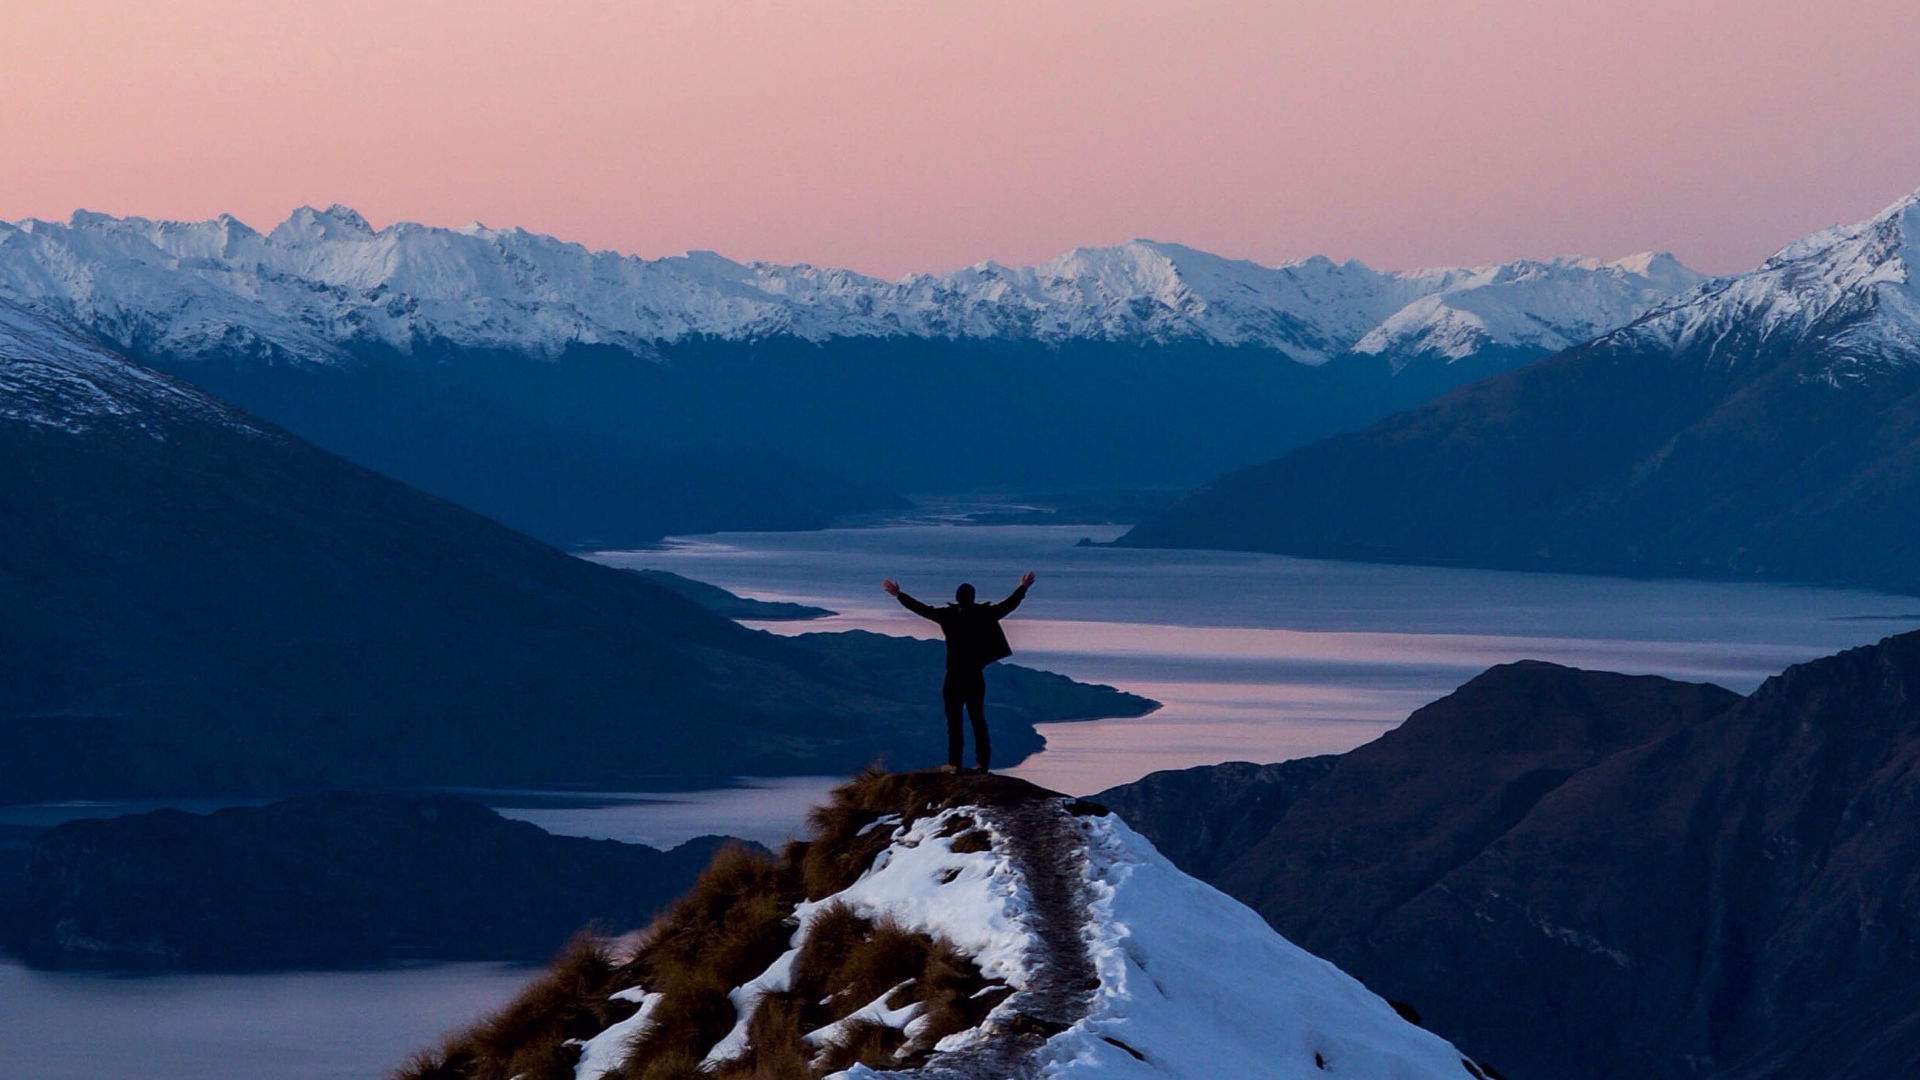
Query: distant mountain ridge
[
  {"x": 323, "y": 280},
  {"x": 1766, "y": 425},
  {"x": 600, "y": 400}
]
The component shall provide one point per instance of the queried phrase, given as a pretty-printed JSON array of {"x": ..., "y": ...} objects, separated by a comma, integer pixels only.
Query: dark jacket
[{"x": 974, "y": 637}]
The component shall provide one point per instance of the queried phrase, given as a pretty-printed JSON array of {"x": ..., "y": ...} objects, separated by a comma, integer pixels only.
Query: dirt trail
[{"x": 1045, "y": 844}]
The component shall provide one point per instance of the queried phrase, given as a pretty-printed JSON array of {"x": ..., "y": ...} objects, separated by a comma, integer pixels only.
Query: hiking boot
[{"x": 949, "y": 768}]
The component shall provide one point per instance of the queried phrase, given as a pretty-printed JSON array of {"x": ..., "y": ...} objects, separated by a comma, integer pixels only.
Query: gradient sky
[{"x": 900, "y": 136}]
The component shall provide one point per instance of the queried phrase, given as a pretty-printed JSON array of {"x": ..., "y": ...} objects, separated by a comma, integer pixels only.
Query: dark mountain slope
[
  {"x": 1395, "y": 816},
  {"x": 605, "y": 447},
  {"x": 329, "y": 880},
  {"x": 196, "y": 602},
  {"x": 1206, "y": 817},
  {"x": 1766, "y": 427},
  {"x": 1613, "y": 877}
]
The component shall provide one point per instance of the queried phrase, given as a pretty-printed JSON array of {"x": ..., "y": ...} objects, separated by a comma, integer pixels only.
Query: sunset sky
[{"x": 899, "y": 136}]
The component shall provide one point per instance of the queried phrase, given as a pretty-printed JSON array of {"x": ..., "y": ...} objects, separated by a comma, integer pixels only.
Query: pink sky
[{"x": 899, "y": 136}]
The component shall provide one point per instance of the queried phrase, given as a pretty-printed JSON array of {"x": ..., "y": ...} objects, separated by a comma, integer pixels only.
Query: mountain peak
[
  {"x": 307, "y": 225},
  {"x": 967, "y": 926},
  {"x": 1851, "y": 287}
]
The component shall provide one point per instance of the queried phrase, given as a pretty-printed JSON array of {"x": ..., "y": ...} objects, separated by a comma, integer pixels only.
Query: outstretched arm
[
  {"x": 1005, "y": 607},
  {"x": 924, "y": 611}
]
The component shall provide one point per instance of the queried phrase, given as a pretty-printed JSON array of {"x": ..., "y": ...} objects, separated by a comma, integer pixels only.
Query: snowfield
[
  {"x": 1191, "y": 983},
  {"x": 324, "y": 281}
]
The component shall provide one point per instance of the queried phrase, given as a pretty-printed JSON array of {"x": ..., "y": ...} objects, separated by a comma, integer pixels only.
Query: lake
[
  {"x": 1255, "y": 657},
  {"x": 1264, "y": 657}
]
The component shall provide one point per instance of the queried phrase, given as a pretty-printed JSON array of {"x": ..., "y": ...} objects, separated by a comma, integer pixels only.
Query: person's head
[{"x": 964, "y": 594}]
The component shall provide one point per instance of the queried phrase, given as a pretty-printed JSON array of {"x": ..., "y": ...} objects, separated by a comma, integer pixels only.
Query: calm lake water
[
  {"x": 1263, "y": 657},
  {"x": 355, "y": 1025},
  {"x": 1255, "y": 657}
]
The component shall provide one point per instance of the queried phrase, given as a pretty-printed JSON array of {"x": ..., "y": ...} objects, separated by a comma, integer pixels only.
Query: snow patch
[{"x": 604, "y": 1052}]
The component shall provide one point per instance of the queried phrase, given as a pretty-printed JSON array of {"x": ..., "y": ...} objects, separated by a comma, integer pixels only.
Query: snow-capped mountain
[
  {"x": 1850, "y": 289},
  {"x": 1764, "y": 425},
  {"x": 1531, "y": 305},
  {"x": 975, "y": 927},
  {"x": 324, "y": 281}
]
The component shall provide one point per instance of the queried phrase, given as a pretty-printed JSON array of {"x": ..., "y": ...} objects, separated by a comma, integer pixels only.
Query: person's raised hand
[
  {"x": 1026, "y": 579},
  {"x": 892, "y": 587}
]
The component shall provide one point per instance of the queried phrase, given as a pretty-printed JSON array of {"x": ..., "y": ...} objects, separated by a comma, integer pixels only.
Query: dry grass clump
[
  {"x": 669, "y": 1065},
  {"x": 862, "y": 1042},
  {"x": 840, "y": 852},
  {"x": 973, "y": 840},
  {"x": 958, "y": 998},
  {"x": 527, "y": 1037},
  {"x": 850, "y": 961},
  {"x": 734, "y": 922}
]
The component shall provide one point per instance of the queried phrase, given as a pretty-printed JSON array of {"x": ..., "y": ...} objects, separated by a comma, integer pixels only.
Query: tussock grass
[
  {"x": 973, "y": 840},
  {"x": 527, "y": 1037},
  {"x": 862, "y": 1042},
  {"x": 669, "y": 1065},
  {"x": 729, "y": 927}
]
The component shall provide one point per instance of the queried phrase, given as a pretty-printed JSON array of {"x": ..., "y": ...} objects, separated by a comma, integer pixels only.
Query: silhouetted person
[{"x": 974, "y": 640}]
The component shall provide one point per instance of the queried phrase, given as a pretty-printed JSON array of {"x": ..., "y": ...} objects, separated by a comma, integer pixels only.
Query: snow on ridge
[
  {"x": 52, "y": 376},
  {"x": 1851, "y": 287},
  {"x": 1542, "y": 304},
  {"x": 323, "y": 281},
  {"x": 1191, "y": 983},
  {"x": 1188, "y": 973}
]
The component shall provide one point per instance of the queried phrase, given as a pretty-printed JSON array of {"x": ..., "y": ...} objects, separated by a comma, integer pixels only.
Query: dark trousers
[{"x": 966, "y": 690}]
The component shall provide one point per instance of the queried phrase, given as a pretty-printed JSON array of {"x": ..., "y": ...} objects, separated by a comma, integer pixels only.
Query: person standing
[{"x": 974, "y": 640}]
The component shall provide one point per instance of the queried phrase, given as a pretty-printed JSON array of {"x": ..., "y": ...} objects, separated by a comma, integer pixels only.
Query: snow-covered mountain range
[{"x": 323, "y": 282}]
